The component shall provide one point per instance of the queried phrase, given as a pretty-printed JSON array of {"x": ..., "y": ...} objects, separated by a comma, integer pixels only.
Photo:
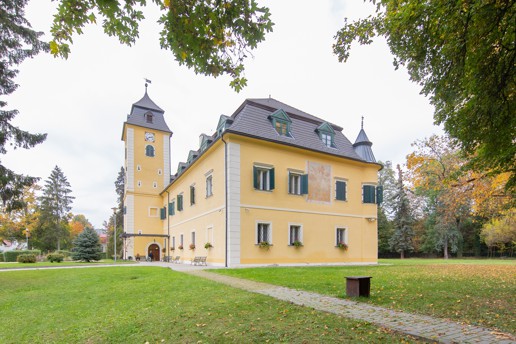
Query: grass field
[
  {"x": 480, "y": 292},
  {"x": 158, "y": 305},
  {"x": 15, "y": 265}
]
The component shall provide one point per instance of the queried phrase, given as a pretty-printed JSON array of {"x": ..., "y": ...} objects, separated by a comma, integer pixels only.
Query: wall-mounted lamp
[{"x": 371, "y": 219}]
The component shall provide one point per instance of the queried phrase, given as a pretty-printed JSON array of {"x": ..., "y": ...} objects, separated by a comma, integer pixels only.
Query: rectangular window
[
  {"x": 327, "y": 139},
  {"x": 340, "y": 236},
  {"x": 180, "y": 202},
  {"x": 209, "y": 186},
  {"x": 340, "y": 190},
  {"x": 369, "y": 194},
  {"x": 263, "y": 178},
  {"x": 171, "y": 208},
  {"x": 295, "y": 235},
  {"x": 281, "y": 128},
  {"x": 209, "y": 235},
  {"x": 193, "y": 238},
  {"x": 192, "y": 195},
  {"x": 263, "y": 233},
  {"x": 297, "y": 183},
  {"x": 181, "y": 241},
  {"x": 174, "y": 242}
]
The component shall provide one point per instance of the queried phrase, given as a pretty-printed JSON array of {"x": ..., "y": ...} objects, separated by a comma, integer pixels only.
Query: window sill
[{"x": 264, "y": 190}]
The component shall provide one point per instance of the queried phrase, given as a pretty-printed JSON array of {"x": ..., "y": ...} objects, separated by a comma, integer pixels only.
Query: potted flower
[
  {"x": 172, "y": 248},
  {"x": 208, "y": 245},
  {"x": 192, "y": 246},
  {"x": 342, "y": 245},
  {"x": 180, "y": 247},
  {"x": 297, "y": 243},
  {"x": 163, "y": 250},
  {"x": 264, "y": 245}
]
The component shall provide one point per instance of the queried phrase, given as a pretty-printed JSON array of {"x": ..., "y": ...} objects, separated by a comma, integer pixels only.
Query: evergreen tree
[
  {"x": 401, "y": 240},
  {"x": 87, "y": 246},
  {"x": 55, "y": 204},
  {"x": 17, "y": 42}
]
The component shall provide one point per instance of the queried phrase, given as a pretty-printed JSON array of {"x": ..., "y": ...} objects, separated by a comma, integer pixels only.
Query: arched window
[{"x": 149, "y": 150}]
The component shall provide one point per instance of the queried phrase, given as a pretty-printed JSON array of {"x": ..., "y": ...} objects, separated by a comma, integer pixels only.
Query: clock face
[{"x": 149, "y": 137}]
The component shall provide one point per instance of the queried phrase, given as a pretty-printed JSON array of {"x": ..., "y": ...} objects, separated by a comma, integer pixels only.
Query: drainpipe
[
  {"x": 168, "y": 224},
  {"x": 226, "y": 197}
]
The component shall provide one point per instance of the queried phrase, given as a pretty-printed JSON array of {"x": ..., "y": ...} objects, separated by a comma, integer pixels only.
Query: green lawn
[
  {"x": 480, "y": 292},
  {"x": 15, "y": 265},
  {"x": 158, "y": 305}
]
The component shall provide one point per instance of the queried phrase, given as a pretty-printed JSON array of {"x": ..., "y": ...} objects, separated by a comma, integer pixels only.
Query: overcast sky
[{"x": 82, "y": 102}]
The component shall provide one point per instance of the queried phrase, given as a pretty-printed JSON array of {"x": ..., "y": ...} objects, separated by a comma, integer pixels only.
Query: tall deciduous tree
[
  {"x": 211, "y": 36},
  {"x": 401, "y": 240},
  {"x": 463, "y": 55},
  {"x": 385, "y": 211},
  {"x": 78, "y": 224},
  {"x": 55, "y": 204},
  {"x": 17, "y": 42}
]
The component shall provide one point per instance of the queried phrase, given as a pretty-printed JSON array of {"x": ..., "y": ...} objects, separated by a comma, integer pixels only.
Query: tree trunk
[
  {"x": 58, "y": 245},
  {"x": 402, "y": 254},
  {"x": 446, "y": 248}
]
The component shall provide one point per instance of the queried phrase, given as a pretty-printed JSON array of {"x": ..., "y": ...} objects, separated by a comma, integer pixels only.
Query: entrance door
[{"x": 155, "y": 252}]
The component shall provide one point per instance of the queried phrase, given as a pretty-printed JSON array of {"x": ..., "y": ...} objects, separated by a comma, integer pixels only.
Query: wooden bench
[
  {"x": 199, "y": 261},
  {"x": 176, "y": 260}
]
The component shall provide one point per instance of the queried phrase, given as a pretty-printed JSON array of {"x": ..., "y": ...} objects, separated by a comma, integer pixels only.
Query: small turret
[{"x": 362, "y": 145}]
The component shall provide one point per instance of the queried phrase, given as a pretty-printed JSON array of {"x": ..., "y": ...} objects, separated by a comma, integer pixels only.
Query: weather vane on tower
[{"x": 147, "y": 82}]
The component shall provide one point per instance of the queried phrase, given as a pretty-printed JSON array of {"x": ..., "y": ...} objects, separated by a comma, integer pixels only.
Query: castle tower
[{"x": 147, "y": 167}]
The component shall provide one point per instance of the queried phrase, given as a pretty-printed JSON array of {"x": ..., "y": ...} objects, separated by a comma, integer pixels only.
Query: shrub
[
  {"x": 10, "y": 256},
  {"x": 26, "y": 258},
  {"x": 55, "y": 257},
  {"x": 1, "y": 257},
  {"x": 87, "y": 246},
  {"x": 208, "y": 245},
  {"x": 66, "y": 254}
]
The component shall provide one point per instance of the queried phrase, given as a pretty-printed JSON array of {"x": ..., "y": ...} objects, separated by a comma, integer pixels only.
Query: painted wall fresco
[{"x": 319, "y": 182}]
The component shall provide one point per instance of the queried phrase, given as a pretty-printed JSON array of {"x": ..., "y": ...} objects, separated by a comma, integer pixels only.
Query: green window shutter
[
  {"x": 192, "y": 195},
  {"x": 271, "y": 179},
  {"x": 255, "y": 178},
  {"x": 163, "y": 213},
  {"x": 369, "y": 193},
  {"x": 379, "y": 194},
  {"x": 304, "y": 184},
  {"x": 341, "y": 191},
  {"x": 179, "y": 202},
  {"x": 171, "y": 210}
]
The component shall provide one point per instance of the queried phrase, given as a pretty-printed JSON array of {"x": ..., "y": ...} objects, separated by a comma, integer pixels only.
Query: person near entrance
[{"x": 151, "y": 256}]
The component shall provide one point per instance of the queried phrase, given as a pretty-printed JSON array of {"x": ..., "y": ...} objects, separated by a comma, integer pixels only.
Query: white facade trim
[
  {"x": 233, "y": 203},
  {"x": 129, "y": 222},
  {"x": 130, "y": 159},
  {"x": 166, "y": 160},
  {"x": 307, "y": 212},
  {"x": 197, "y": 216}
]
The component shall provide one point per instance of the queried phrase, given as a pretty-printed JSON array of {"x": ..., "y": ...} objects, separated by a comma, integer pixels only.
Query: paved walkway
[{"x": 420, "y": 326}]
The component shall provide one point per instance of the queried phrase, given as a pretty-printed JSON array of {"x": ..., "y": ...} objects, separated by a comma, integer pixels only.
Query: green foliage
[
  {"x": 462, "y": 53},
  {"x": 211, "y": 37},
  {"x": 87, "y": 246},
  {"x": 297, "y": 244},
  {"x": 2, "y": 257},
  {"x": 64, "y": 253},
  {"x": 11, "y": 256},
  {"x": 264, "y": 245},
  {"x": 55, "y": 257},
  {"x": 208, "y": 245},
  {"x": 26, "y": 258},
  {"x": 17, "y": 42},
  {"x": 501, "y": 232},
  {"x": 55, "y": 204},
  {"x": 401, "y": 239}
]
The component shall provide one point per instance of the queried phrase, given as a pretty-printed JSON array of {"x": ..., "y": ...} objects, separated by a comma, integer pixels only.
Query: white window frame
[
  {"x": 192, "y": 237},
  {"x": 139, "y": 183},
  {"x": 300, "y": 236},
  {"x": 344, "y": 180},
  {"x": 160, "y": 172},
  {"x": 269, "y": 231},
  {"x": 155, "y": 184},
  {"x": 209, "y": 185},
  {"x": 327, "y": 139},
  {"x": 140, "y": 231},
  {"x": 293, "y": 184},
  {"x": 345, "y": 229},
  {"x": 264, "y": 178},
  {"x": 157, "y": 211},
  {"x": 138, "y": 168},
  {"x": 209, "y": 235}
]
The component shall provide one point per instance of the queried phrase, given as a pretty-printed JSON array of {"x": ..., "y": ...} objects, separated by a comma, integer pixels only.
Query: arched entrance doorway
[{"x": 154, "y": 248}]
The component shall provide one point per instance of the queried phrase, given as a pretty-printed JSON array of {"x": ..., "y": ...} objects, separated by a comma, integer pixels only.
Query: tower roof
[
  {"x": 362, "y": 146},
  {"x": 147, "y": 103}
]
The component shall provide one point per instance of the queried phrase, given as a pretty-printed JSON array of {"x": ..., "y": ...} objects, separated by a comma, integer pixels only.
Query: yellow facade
[{"x": 233, "y": 215}]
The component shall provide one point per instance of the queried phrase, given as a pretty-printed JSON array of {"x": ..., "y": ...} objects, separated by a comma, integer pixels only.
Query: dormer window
[
  {"x": 326, "y": 134},
  {"x": 149, "y": 117},
  {"x": 281, "y": 122}
]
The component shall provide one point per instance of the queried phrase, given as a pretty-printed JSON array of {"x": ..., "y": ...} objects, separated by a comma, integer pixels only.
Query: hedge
[
  {"x": 11, "y": 256},
  {"x": 26, "y": 258}
]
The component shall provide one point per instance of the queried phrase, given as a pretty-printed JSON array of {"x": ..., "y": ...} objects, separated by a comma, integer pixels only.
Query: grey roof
[
  {"x": 251, "y": 119},
  {"x": 144, "y": 106},
  {"x": 362, "y": 147}
]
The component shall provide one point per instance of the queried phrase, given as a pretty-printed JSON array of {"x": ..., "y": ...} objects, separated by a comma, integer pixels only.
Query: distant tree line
[{"x": 439, "y": 207}]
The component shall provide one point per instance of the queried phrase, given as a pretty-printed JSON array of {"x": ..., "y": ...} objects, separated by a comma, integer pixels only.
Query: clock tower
[{"x": 147, "y": 172}]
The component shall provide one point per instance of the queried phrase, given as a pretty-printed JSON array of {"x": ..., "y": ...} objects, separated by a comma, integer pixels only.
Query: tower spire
[
  {"x": 147, "y": 82},
  {"x": 362, "y": 126}
]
